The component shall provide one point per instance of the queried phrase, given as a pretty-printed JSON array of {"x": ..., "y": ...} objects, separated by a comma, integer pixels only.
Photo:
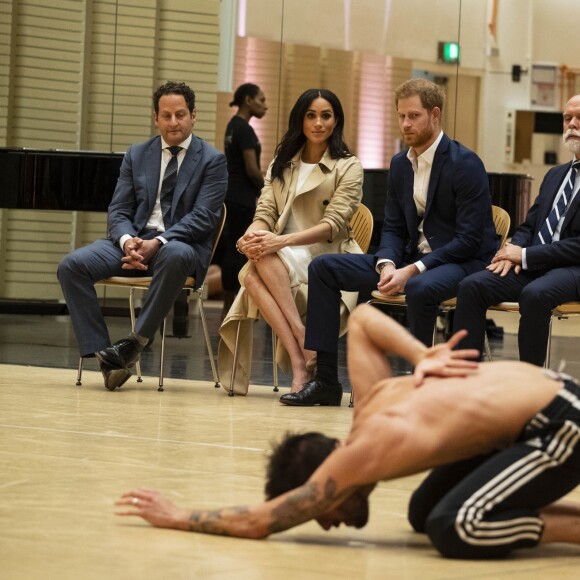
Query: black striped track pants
[{"x": 487, "y": 506}]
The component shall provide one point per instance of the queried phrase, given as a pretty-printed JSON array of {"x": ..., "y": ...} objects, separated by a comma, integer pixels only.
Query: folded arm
[{"x": 372, "y": 335}]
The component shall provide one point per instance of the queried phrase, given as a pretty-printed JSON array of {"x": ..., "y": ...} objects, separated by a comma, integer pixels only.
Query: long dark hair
[{"x": 294, "y": 138}]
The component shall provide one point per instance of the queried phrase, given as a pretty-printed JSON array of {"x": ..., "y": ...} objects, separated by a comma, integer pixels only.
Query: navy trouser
[
  {"x": 537, "y": 293},
  {"x": 79, "y": 270},
  {"x": 330, "y": 273},
  {"x": 487, "y": 506}
]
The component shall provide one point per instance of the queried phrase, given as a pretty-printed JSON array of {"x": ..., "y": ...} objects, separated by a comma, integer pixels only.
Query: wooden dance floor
[{"x": 67, "y": 452}]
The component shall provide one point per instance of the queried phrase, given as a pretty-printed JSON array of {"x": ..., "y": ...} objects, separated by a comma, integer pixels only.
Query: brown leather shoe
[{"x": 114, "y": 378}]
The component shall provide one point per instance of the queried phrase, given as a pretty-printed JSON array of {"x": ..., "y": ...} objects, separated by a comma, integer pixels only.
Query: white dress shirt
[
  {"x": 422, "y": 165},
  {"x": 155, "y": 221}
]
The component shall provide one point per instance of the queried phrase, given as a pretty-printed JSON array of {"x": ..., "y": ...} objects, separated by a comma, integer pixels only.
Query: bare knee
[
  {"x": 267, "y": 262},
  {"x": 252, "y": 282},
  {"x": 360, "y": 316}
]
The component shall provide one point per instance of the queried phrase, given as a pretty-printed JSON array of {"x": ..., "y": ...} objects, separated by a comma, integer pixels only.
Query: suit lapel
[
  {"x": 186, "y": 171},
  {"x": 572, "y": 209},
  {"x": 409, "y": 202},
  {"x": 317, "y": 175},
  {"x": 153, "y": 164},
  {"x": 546, "y": 201},
  {"x": 439, "y": 160},
  {"x": 553, "y": 189},
  {"x": 315, "y": 178}
]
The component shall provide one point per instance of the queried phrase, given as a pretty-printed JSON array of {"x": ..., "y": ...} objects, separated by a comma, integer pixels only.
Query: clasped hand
[
  {"x": 508, "y": 257},
  {"x": 442, "y": 361},
  {"x": 259, "y": 243},
  {"x": 138, "y": 253},
  {"x": 393, "y": 280}
]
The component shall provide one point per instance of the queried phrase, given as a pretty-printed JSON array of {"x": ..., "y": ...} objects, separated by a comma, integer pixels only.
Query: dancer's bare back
[{"x": 447, "y": 419}]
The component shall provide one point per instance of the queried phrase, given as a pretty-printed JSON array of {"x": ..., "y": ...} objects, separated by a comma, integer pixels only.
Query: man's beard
[{"x": 573, "y": 145}]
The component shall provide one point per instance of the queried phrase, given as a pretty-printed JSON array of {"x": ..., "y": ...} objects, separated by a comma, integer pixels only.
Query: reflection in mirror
[
  {"x": 341, "y": 44},
  {"x": 361, "y": 50},
  {"x": 82, "y": 78}
]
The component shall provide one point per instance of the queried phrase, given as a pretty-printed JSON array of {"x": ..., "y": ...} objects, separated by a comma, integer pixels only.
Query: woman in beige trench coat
[{"x": 312, "y": 189}]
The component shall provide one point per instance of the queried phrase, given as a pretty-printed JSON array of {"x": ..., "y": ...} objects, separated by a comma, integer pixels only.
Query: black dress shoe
[
  {"x": 114, "y": 378},
  {"x": 315, "y": 393},
  {"x": 122, "y": 355}
]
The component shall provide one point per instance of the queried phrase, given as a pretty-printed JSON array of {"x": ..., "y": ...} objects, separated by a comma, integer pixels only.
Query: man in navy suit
[
  {"x": 535, "y": 271},
  {"x": 438, "y": 229},
  {"x": 159, "y": 225}
]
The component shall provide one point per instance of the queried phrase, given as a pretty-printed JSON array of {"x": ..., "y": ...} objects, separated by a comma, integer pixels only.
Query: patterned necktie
[
  {"x": 549, "y": 226},
  {"x": 168, "y": 185}
]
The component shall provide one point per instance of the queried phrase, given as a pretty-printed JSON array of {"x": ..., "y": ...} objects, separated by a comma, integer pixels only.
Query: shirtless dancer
[{"x": 503, "y": 437}]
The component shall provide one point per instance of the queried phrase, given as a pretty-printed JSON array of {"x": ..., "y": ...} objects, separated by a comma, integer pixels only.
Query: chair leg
[
  {"x": 351, "y": 403},
  {"x": 487, "y": 347},
  {"x": 235, "y": 362},
  {"x": 549, "y": 344},
  {"x": 162, "y": 357},
  {"x": 274, "y": 363},
  {"x": 132, "y": 314},
  {"x": 80, "y": 372},
  {"x": 214, "y": 369}
]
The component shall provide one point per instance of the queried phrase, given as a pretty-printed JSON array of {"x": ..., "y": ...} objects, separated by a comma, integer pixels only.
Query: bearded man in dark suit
[{"x": 540, "y": 268}]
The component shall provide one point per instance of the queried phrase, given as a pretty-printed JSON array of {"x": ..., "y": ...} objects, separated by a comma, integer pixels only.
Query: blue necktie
[
  {"x": 168, "y": 185},
  {"x": 549, "y": 226}
]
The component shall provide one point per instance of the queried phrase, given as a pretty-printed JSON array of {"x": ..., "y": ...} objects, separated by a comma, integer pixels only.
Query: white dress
[{"x": 297, "y": 258}]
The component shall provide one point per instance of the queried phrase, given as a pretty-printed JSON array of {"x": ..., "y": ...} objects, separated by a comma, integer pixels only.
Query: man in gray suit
[{"x": 161, "y": 222}]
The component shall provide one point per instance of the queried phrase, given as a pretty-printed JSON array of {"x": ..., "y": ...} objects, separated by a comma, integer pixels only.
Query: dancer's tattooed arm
[{"x": 289, "y": 510}]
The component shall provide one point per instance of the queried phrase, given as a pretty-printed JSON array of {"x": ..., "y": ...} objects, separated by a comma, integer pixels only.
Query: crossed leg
[{"x": 268, "y": 283}]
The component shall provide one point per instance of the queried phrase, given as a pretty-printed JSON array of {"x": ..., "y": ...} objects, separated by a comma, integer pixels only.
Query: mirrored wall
[
  {"x": 79, "y": 74},
  {"x": 360, "y": 49}
]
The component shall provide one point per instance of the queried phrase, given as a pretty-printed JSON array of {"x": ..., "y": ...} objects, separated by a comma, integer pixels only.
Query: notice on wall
[{"x": 543, "y": 86}]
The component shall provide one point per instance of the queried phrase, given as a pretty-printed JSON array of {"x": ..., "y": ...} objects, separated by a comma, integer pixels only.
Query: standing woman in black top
[{"x": 245, "y": 180}]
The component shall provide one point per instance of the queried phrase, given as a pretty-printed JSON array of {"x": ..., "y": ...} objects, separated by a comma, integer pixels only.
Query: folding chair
[
  {"x": 361, "y": 226},
  {"x": 142, "y": 283},
  {"x": 501, "y": 221}
]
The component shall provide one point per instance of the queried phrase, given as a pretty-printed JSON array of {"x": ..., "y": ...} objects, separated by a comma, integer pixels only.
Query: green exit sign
[{"x": 448, "y": 52}]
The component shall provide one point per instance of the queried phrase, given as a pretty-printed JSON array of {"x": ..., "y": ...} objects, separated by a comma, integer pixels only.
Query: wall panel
[
  {"x": 6, "y": 40},
  {"x": 79, "y": 74},
  {"x": 364, "y": 82},
  {"x": 32, "y": 244},
  {"x": 47, "y": 42}
]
